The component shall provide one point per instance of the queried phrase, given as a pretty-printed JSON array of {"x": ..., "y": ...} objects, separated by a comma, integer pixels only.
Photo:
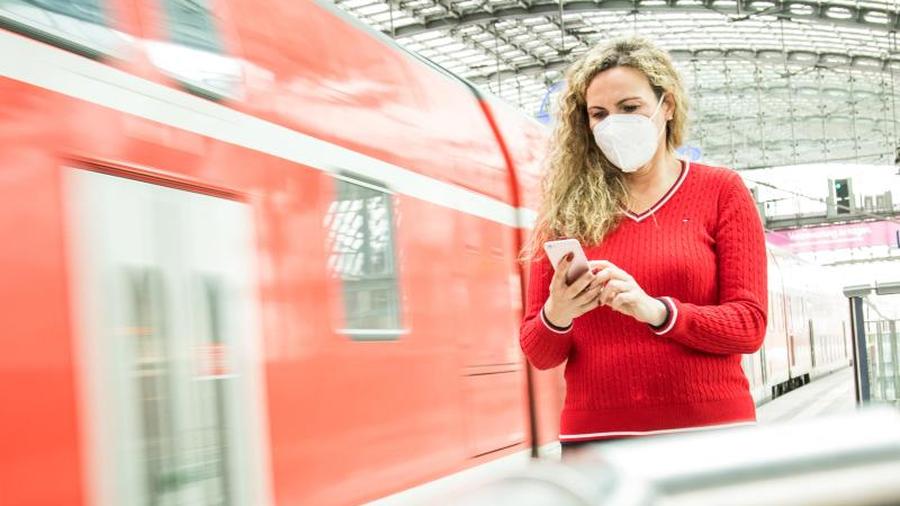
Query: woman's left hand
[{"x": 623, "y": 294}]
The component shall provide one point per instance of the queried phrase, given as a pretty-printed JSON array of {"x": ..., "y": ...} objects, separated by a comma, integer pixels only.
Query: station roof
[{"x": 770, "y": 82}]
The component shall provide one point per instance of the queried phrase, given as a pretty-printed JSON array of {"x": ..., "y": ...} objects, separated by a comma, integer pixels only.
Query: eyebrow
[{"x": 617, "y": 103}]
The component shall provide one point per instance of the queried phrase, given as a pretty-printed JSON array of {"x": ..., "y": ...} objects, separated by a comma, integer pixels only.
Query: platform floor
[{"x": 824, "y": 396}]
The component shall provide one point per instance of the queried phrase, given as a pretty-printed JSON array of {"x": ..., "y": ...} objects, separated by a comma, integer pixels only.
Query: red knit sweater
[{"x": 702, "y": 249}]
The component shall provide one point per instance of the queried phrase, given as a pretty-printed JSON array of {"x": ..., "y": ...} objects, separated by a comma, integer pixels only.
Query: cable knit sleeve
[
  {"x": 544, "y": 346},
  {"x": 738, "y": 323}
]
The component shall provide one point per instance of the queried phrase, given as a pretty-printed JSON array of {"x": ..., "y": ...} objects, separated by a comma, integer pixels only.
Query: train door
[
  {"x": 776, "y": 359},
  {"x": 170, "y": 370}
]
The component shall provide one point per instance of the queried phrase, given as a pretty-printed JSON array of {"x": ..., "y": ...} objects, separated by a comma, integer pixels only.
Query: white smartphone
[{"x": 557, "y": 250}]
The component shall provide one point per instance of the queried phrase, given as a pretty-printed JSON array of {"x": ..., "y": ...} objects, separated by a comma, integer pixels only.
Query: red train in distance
[{"x": 256, "y": 253}]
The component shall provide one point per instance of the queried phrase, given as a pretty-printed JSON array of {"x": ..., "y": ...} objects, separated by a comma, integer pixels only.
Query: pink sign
[{"x": 832, "y": 237}]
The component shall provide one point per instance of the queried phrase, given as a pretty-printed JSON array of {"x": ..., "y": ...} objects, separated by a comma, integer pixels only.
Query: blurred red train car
[{"x": 255, "y": 253}]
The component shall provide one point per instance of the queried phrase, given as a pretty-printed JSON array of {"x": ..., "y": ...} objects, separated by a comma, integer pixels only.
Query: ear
[{"x": 669, "y": 106}]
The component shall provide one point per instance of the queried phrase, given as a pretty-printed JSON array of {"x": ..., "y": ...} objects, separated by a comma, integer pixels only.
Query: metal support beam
[
  {"x": 892, "y": 37},
  {"x": 806, "y": 220},
  {"x": 729, "y": 84},
  {"x": 760, "y": 115},
  {"x": 821, "y": 60},
  {"x": 853, "y": 113},
  {"x": 698, "y": 93},
  {"x": 860, "y": 353},
  {"x": 823, "y": 111},
  {"x": 860, "y": 17}
]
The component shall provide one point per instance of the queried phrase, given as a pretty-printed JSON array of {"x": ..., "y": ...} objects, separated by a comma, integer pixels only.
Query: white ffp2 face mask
[{"x": 629, "y": 141}]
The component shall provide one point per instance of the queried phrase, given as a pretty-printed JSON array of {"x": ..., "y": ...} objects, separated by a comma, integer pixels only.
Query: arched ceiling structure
[{"x": 770, "y": 82}]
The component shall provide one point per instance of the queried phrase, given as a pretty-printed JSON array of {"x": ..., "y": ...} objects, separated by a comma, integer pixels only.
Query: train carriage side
[
  {"x": 457, "y": 365},
  {"x": 807, "y": 334},
  {"x": 376, "y": 201},
  {"x": 825, "y": 320},
  {"x": 777, "y": 359}
]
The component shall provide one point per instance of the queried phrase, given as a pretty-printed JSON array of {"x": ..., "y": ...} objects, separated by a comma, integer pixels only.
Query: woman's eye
[
  {"x": 598, "y": 115},
  {"x": 630, "y": 108}
]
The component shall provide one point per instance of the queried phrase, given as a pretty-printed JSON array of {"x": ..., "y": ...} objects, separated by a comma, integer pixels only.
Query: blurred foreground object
[{"x": 849, "y": 459}]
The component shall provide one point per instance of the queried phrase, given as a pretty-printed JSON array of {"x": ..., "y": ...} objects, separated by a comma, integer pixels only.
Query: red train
[{"x": 257, "y": 254}]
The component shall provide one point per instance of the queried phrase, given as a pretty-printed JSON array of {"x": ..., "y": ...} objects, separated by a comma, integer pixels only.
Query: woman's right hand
[{"x": 567, "y": 302}]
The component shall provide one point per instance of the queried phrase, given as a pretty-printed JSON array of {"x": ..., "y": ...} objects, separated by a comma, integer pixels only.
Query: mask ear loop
[
  {"x": 662, "y": 99},
  {"x": 658, "y": 104}
]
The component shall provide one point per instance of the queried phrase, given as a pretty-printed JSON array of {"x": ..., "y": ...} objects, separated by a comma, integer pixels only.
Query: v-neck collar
[{"x": 638, "y": 217}]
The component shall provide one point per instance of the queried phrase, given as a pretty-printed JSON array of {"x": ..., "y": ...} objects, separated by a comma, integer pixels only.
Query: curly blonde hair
[{"x": 583, "y": 193}]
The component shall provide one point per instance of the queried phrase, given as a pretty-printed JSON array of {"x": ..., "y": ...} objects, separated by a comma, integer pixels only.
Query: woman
[{"x": 654, "y": 333}]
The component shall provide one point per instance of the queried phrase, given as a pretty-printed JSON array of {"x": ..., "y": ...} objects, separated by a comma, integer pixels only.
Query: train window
[
  {"x": 79, "y": 26},
  {"x": 360, "y": 228},
  {"x": 194, "y": 54},
  {"x": 190, "y": 23}
]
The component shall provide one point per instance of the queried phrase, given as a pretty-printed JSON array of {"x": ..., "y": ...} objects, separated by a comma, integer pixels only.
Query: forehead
[{"x": 612, "y": 85}]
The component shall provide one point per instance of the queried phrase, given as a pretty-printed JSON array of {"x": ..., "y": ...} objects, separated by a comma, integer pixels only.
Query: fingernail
[{"x": 570, "y": 256}]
